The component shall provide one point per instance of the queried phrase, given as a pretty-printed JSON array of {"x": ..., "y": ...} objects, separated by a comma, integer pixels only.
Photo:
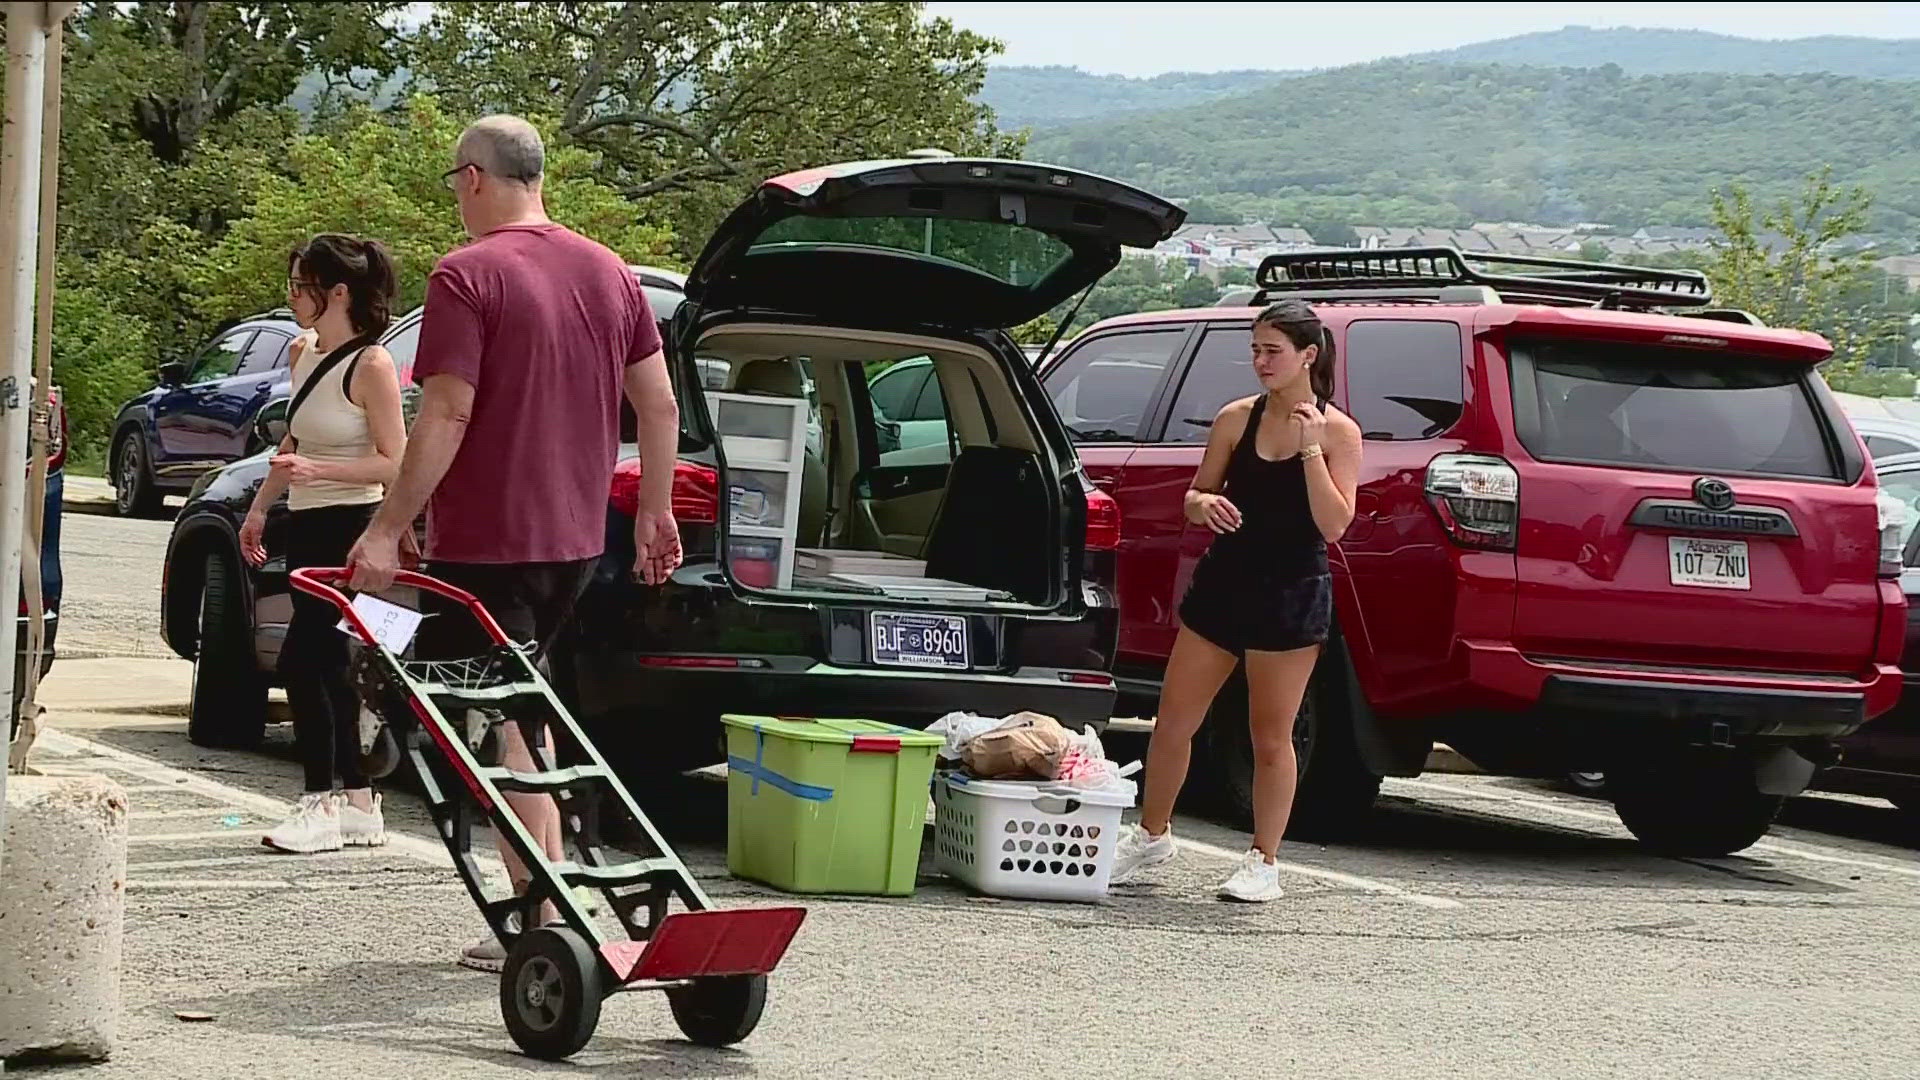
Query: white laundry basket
[{"x": 1037, "y": 840}]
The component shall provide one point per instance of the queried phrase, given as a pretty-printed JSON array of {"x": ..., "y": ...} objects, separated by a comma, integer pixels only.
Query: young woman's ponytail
[{"x": 363, "y": 266}]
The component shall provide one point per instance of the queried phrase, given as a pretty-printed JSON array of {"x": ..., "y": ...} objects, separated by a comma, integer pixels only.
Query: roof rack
[{"x": 1448, "y": 275}]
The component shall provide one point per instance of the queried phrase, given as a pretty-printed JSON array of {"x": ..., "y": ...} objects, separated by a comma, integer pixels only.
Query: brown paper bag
[{"x": 1028, "y": 746}]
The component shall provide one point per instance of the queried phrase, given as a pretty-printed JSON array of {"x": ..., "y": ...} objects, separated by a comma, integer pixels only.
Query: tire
[
  {"x": 550, "y": 993},
  {"x": 134, "y": 493},
  {"x": 1335, "y": 791},
  {"x": 229, "y": 702},
  {"x": 719, "y": 1011},
  {"x": 1698, "y": 805}
]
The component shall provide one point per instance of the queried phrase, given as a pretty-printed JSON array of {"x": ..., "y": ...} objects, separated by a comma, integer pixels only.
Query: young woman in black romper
[{"x": 1276, "y": 487}]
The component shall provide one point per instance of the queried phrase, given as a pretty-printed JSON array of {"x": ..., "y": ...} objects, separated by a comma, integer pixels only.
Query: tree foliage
[
  {"x": 691, "y": 103},
  {"x": 1804, "y": 281},
  {"x": 1410, "y": 143}
]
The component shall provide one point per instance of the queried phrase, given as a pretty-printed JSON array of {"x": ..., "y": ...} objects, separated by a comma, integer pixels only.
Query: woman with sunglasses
[{"x": 345, "y": 438}]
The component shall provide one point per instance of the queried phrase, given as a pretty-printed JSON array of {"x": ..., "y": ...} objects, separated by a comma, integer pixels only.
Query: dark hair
[
  {"x": 363, "y": 266},
  {"x": 1302, "y": 327}
]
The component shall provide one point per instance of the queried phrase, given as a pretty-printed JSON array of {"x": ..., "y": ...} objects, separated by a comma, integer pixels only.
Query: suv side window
[
  {"x": 268, "y": 351},
  {"x": 929, "y": 404},
  {"x": 1102, "y": 389},
  {"x": 220, "y": 358},
  {"x": 897, "y": 389},
  {"x": 1221, "y": 371},
  {"x": 1404, "y": 378}
]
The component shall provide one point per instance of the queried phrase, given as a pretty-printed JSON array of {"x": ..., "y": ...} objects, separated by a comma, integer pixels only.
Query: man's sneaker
[
  {"x": 486, "y": 953},
  {"x": 1256, "y": 882},
  {"x": 1139, "y": 850},
  {"x": 313, "y": 827},
  {"x": 361, "y": 828}
]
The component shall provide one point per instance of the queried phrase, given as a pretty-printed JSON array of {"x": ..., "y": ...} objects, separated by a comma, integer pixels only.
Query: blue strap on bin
[{"x": 758, "y": 771}]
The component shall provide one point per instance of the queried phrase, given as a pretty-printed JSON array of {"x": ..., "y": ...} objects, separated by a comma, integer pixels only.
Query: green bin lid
[{"x": 826, "y": 730}]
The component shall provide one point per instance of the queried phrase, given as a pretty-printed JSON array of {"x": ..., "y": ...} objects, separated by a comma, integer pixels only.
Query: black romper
[{"x": 1263, "y": 587}]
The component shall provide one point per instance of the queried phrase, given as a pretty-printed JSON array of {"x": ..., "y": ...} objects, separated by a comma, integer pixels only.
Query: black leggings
[{"x": 313, "y": 660}]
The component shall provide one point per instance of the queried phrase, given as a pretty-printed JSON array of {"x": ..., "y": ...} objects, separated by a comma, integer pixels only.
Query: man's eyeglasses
[{"x": 448, "y": 176}]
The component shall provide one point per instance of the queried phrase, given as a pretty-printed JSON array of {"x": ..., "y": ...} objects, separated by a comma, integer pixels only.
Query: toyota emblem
[{"x": 1713, "y": 494}]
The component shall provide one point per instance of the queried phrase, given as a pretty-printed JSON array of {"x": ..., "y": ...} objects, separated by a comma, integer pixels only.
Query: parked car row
[{"x": 1601, "y": 526}]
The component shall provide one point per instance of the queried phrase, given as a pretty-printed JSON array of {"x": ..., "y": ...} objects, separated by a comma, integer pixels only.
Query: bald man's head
[{"x": 504, "y": 147}]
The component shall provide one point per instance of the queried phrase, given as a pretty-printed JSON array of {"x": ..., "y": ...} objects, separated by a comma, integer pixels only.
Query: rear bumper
[
  {"x": 1718, "y": 703},
  {"x": 628, "y": 685}
]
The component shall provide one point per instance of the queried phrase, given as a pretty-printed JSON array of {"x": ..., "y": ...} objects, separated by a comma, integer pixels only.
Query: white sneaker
[
  {"x": 361, "y": 828},
  {"x": 313, "y": 827},
  {"x": 1138, "y": 850},
  {"x": 1256, "y": 882}
]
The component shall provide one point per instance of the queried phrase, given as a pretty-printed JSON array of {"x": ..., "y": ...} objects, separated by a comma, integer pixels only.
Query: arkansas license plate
[
  {"x": 900, "y": 639},
  {"x": 1708, "y": 564}
]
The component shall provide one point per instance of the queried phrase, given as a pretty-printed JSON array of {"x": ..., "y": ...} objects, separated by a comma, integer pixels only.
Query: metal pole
[
  {"x": 41, "y": 417},
  {"x": 19, "y": 227}
]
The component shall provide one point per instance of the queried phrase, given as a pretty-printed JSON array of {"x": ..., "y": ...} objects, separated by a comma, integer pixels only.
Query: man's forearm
[
  {"x": 431, "y": 448},
  {"x": 659, "y": 453}
]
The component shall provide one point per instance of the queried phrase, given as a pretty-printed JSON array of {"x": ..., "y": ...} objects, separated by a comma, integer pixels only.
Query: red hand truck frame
[{"x": 712, "y": 964}]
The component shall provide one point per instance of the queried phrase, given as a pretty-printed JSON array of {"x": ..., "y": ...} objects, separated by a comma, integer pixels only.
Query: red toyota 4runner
[{"x": 1600, "y": 526}]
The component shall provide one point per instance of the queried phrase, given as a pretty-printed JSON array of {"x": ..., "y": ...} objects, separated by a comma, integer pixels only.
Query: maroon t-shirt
[{"x": 542, "y": 322}]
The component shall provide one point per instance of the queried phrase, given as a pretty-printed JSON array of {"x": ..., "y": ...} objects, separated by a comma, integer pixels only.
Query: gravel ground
[{"x": 1478, "y": 927}]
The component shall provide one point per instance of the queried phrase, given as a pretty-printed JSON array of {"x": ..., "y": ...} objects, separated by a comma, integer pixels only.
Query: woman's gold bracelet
[{"x": 1307, "y": 453}]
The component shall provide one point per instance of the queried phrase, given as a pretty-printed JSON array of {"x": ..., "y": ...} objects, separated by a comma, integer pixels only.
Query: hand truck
[{"x": 711, "y": 964}]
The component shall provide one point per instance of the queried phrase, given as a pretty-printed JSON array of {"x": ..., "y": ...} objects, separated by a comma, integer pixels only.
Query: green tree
[
  {"x": 380, "y": 176},
  {"x": 691, "y": 103},
  {"x": 1783, "y": 266}
]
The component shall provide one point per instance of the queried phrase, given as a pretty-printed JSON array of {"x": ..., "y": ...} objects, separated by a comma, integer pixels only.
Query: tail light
[
  {"x": 1103, "y": 521},
  {"x": 1893, "y": 518},
  {"x": 1477, "y": 498},
  {"x": 696, "y": 491}
]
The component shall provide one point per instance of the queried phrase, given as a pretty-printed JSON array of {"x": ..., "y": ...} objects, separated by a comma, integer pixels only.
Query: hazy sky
[{"x": 1150, "y": 38}]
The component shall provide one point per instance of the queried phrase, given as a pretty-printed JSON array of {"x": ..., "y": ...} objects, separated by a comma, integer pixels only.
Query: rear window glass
[
  {"x": 1671, "y": 409},
  {"x": 1404, "y": 378},
  {"x": 1013, "y": 253}
]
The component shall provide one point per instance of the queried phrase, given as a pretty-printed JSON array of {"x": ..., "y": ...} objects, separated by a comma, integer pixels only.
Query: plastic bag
[{"x": 962, "y": 728}]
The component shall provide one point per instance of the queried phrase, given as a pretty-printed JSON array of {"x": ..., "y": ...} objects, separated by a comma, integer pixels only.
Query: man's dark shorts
[{"x": 531, "y": 601}]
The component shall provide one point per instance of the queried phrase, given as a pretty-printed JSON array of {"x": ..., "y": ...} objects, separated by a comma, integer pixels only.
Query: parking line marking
[
  {"x": 206, "y": 883},
  {"x": 183, "y": 837},
  {"x": 168, "y": 778},
  {"x": 180, "y": 812},
  {"x": 1784, "y": 848},
  {"x": 1335, "y": 877}
]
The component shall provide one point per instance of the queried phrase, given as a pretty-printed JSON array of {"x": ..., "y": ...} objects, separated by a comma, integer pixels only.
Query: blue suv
[{"x": 201, "y": 415}]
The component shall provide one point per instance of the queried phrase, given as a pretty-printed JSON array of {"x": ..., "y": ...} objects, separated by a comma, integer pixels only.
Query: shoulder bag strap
[{"x": 326, "y": 364}]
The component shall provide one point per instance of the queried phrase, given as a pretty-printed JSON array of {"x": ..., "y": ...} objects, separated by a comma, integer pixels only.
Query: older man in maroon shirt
[{"x": 531, "y": 334}]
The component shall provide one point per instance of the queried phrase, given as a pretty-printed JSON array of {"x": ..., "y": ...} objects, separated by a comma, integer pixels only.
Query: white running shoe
[
  {"x": 1256, "y": 882},
  {"x": 313, "y": 827},
  {"x": 361, "y": 828},
  {"x": 485, "y": 953},
  {"x": 1139, "y": 850}
]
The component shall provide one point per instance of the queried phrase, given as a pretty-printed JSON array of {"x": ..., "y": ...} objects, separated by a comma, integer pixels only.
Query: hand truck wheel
[
  {"x": 719, "y": 1011},
  {"x": 550, "y": 992}
]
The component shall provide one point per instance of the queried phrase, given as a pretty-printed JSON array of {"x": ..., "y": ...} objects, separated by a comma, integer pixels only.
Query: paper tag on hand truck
[{"x": 392, "y": 625}]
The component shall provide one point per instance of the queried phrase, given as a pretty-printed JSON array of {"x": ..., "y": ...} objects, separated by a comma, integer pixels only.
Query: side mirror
[
  {"x": 173, "y": 373},
  {"x": 270, "y": 426}
]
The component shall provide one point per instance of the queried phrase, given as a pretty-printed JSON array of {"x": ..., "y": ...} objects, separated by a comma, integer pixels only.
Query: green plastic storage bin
[{"x": 827, "y": 806}]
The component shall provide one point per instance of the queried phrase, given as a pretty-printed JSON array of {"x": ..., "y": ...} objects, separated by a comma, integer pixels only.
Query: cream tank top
[{"x": 329, "y": 427}]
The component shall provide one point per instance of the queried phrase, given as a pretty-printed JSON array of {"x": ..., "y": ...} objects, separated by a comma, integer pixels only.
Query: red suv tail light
[
  {"x": 1103, "y": 521},
  {"x": 696, "y": 491},
  {"x": 1477, "y": 498}
]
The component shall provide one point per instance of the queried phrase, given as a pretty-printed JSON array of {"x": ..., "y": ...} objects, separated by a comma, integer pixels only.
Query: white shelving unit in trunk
[{"x": 764, "y": 440}]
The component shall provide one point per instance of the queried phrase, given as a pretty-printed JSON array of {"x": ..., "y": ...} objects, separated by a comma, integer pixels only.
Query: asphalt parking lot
[{"x": 1477, "y": 927}]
